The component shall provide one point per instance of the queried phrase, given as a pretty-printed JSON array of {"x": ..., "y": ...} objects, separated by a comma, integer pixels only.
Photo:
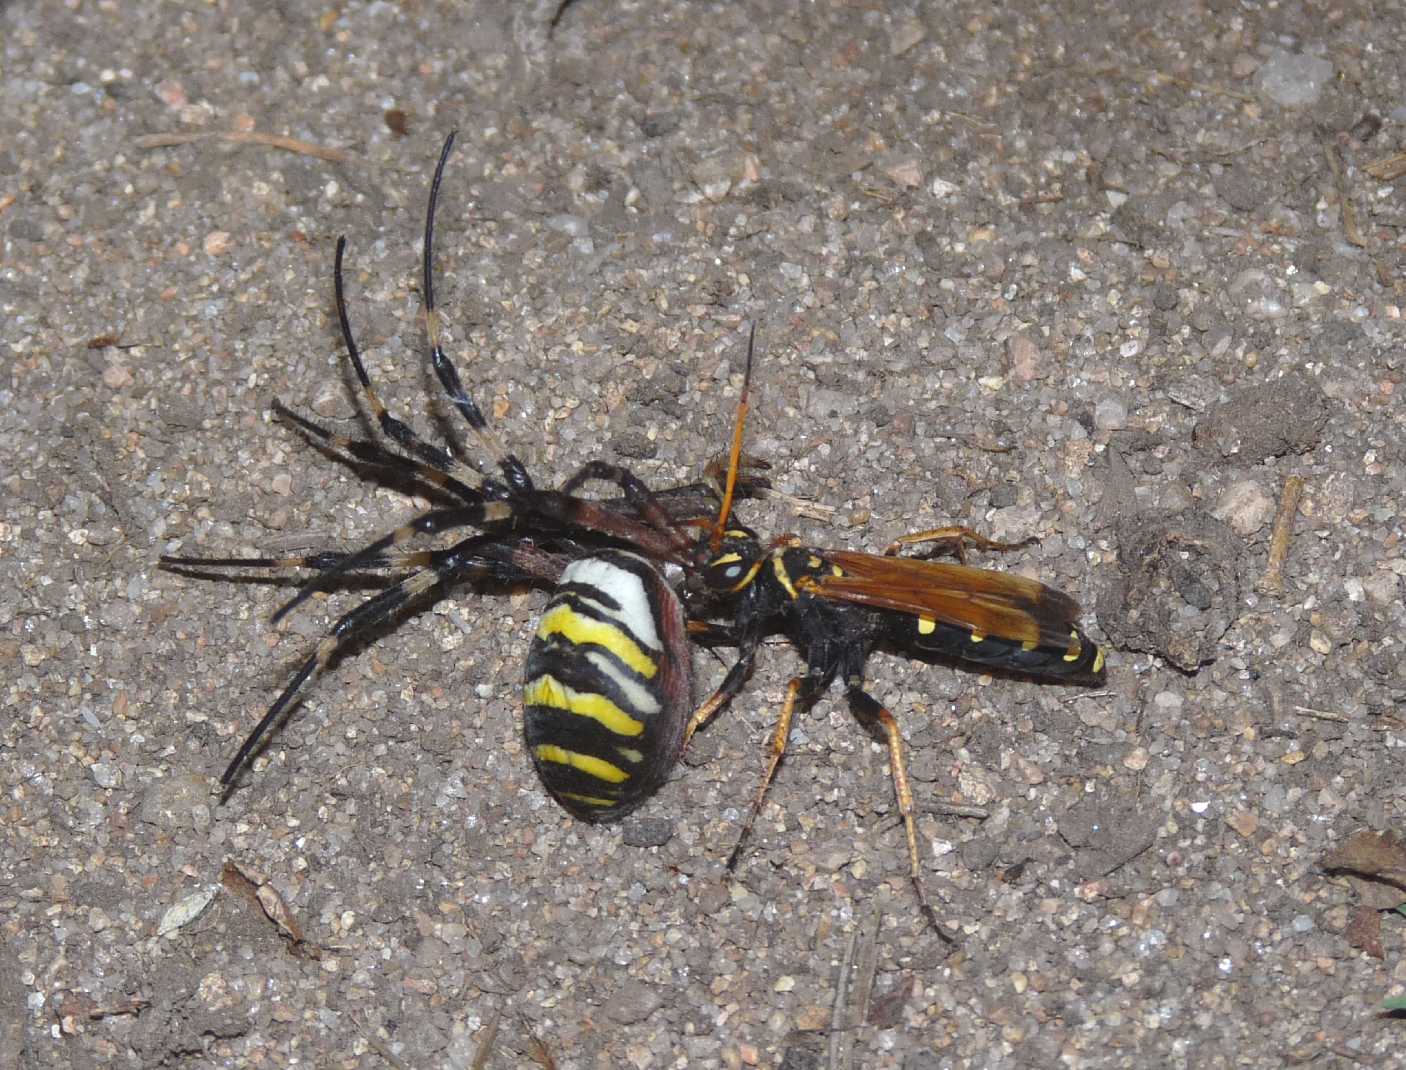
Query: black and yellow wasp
[
  {"x": 607, "y": 697},
  {"x": 837, "y": 606}
]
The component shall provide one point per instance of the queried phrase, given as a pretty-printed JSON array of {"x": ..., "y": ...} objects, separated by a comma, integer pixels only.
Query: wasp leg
[
  {"x": 957, "y": 537},
  {"x": 872, "y": 712},
  {"x": 707, "y": 633},
  {"x": 748, "y": 643},
  {"x": 806, "y": 689}
]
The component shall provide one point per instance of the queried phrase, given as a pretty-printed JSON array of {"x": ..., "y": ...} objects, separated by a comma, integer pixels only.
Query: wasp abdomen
[
  {"x": 607, "y": 686},
  {"x": 1079, "y": 658}
]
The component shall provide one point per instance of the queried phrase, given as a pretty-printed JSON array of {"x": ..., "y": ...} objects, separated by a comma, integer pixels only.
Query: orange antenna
[{"x": 734, "y": 459}]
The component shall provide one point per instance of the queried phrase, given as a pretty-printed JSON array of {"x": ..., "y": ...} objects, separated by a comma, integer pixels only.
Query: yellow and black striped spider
[{"x": 608, "y": 689}]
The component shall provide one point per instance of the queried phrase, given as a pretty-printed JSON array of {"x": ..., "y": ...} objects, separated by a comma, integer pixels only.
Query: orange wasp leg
[
  {"x": 705, "y": 713},
  {"x": 732, "y": 683},
  {"x": 870, "y": 710},
  {"x": 958, "y": 537},
  {"x": 779, "y": 736}
]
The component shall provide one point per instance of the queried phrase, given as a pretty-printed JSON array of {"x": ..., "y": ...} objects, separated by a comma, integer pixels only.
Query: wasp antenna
[{"x": 735, "y": 456}]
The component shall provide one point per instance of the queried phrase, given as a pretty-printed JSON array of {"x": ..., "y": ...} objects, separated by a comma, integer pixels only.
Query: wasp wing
[{"x": 996, "y": 604}]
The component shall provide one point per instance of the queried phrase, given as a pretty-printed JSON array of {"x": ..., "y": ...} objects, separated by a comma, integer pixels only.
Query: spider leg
[
  {"x": 695, "y": 502},
  {"x": 555, "y": 508},
  {"x": 687, "y": 503},
  {"x": 399, "y": 432},
  {"x": 319, "y": 560},
  {"x": 507, "y": 565},
  {"x": 653, "y": 522},
  {"x": 513, "y": 471},
  {"x": 637, "y": 495},
  {"x": 426, "y": 524},
  {"x": 532, "y": 563},
  {"x": 374, "y": 453}
]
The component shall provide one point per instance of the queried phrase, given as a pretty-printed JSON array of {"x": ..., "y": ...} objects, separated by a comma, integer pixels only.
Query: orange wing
[{"x": 990, "y": 603}]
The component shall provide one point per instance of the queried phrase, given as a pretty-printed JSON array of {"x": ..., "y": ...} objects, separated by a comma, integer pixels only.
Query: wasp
[{"x": 837, "y": 606}]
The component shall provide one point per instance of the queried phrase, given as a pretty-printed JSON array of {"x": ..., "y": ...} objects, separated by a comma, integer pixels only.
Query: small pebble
[
  {"x": 116, "y": 376},
  {"x": 1293, "y": 79},
  {"x": 1110, "y": 414},
  {"x": 1245, "y": 507}
]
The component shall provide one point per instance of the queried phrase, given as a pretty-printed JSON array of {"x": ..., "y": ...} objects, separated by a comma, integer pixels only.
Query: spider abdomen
[{"x": 607, "y": 688}]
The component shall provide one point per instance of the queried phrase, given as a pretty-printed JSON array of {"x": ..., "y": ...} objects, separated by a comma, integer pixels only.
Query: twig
[
  {"x": 1347, "y": 210},
  {"x": 865, "y": 941},
  {"x": 490, "y": 1037},
  {"x": 380, "y": 1048},
  {"x": 1273, "y": 581},
  {"x": 245, "y": 137},
  {"x": 536, "y": 1049},
  {"x": 1187, "y": 83},
  {"x": 1388, "y": 168},
  {"x": 866, "y": 969},
  {"x": 839, "y": 1035},
  {"x": 1322, "y": 715},
  {"x": 1153, "y": 75},
  {"x": 947, "y": 809}
]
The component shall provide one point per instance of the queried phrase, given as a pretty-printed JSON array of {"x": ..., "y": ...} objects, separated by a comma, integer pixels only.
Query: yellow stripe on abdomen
[
  {"x": 577, "y": 629},
  {"x": 548, "y": 691},
  {"x": 598, "y": 801},
  {"x": 586, "y": 763},
  {"x": 1076, "y": 649}
]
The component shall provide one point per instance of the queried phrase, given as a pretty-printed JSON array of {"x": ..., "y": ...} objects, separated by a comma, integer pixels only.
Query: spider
[{"x": 608, "y": 689}]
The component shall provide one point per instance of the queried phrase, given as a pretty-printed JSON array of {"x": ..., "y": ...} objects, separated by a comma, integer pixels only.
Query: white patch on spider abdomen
[{"x": 626, "y": 588}]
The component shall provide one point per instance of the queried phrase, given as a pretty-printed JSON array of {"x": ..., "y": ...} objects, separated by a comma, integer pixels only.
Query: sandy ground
[{"x": 1062, "y": 270}]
